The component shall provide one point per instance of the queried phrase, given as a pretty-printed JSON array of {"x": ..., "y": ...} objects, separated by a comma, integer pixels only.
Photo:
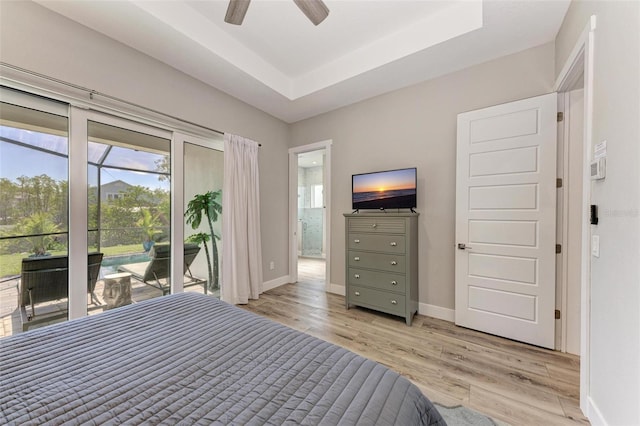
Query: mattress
[{"x": 192, "y": 359}]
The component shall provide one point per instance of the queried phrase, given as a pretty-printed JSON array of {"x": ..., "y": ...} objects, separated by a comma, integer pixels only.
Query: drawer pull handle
[
  {"x": 357, "y": 276},
  {"x": 356, "y": 241},
  {"x": 357, "y": 259},
  {"x": 375, "y": 225},
  {"x": 394, "y": 263},
  {"x": 394, "y": 302},
  {"x": 394, "y": 282},
  {"x": 357, "y": 293},
  {"x": 393, "y": 244}
]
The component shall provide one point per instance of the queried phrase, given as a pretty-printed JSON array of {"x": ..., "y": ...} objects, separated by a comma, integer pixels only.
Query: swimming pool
[{"x": 110, "y": 264}]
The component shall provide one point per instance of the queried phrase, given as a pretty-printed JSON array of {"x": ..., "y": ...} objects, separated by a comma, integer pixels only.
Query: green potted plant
[
  {"x": 210, "y": 204},
  {"x": 148, "y": 224}
]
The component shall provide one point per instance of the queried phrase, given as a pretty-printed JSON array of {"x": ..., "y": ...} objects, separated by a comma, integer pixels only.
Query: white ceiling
[{"x": 281, "y": 63}]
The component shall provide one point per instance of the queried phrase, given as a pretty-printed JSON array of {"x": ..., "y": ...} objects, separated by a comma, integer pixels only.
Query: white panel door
[{"x": 506, "y": 220}]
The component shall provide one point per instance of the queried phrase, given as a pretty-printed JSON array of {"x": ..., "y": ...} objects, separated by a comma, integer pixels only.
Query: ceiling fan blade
[
  {"x": 236, "y": 11},
  {"x": 315, "y": 10}
]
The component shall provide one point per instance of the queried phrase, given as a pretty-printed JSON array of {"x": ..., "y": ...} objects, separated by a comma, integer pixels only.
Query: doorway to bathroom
[
  {"x": 309, "y": 192},
  {"x": 311, "y": 233}
]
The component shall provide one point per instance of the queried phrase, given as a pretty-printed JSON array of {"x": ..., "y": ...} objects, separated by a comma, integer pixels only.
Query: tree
[
  {"x": 136, "y": 197},
  {"x": 163, "y": 166},
  {"x": 117, "y": 225},
  {"x": 121, "y": 218},
  {"x": 42, "y": 193},
  {"x": 8, "y": 191},
  {"x": 38, "y": 224},
  {"x": 211, "y": 205}
]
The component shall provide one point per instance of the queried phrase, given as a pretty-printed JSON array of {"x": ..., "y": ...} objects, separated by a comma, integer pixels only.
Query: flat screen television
[{"x": 390, "y": 189}]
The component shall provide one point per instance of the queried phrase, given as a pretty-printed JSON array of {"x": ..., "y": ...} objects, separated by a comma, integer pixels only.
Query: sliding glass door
[
  {"x": 129, "y": 212},
  {"x": 203, "y": 174},
  {"x": 34, "y": 214},
  {"x": 98, "y": 211}
]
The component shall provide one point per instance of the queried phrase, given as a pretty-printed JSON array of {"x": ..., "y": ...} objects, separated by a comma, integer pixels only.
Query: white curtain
[{"x": 241, "y": 244}]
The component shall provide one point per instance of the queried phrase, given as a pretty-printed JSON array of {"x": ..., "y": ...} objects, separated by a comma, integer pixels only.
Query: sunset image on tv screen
[{"x": 384, "y": 190}]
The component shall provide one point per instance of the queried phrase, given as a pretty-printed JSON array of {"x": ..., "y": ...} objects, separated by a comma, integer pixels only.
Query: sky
[{"x": 16, "y": 161}]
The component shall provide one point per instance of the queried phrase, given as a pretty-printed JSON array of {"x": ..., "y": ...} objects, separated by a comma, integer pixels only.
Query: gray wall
[
  {"x": 615, "y": 275},
  {"x": 416, "y": 126},
  {"x": 37, "y": 39}
]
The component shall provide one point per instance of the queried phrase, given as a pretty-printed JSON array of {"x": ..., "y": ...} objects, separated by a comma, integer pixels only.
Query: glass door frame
[
  {"x": 78, "y": 208},
  {"x": 21, "y": 98},
  {"x": 177, "y": 199},
  {"x": 80, "y": 109}
]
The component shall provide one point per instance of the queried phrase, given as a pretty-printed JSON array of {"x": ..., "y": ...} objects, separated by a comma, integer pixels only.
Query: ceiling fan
[{"x": 315, "y": 10}]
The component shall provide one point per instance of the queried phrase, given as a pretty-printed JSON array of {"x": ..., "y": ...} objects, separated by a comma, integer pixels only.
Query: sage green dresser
[{"x": 382, "y": 262}]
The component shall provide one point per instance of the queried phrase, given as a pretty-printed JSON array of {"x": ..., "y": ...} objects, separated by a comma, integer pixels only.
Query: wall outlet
[{"x": 272, "y": 265}]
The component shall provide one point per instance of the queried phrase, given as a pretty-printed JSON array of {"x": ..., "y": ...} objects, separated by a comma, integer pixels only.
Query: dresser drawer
[
  {"x": 380, "y": 261},
  {"x": 377, "y": 280},
  {"x": 375, "y": 225},
  {"x": 377, "y": 242},
  {"x": 381, "y": 300}
]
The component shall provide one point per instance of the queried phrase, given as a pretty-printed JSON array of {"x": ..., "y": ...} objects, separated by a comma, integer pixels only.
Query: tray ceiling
[{"x": 282, "y": 64}]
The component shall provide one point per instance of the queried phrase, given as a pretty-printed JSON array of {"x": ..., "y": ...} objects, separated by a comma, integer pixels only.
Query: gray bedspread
[{"x": 191, "y": 359}]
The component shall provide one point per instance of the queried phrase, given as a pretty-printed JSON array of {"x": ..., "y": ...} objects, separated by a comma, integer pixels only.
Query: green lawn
[{"x": 10, "y": 263}]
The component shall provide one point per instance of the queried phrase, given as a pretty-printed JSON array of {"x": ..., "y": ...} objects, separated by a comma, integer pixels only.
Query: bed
[{"x": 191, "y": 359}]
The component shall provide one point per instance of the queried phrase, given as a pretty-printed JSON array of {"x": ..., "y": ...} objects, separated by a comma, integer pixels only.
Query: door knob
[
  {"x": 394, "y": 282},
  {"x": 463, "y": 246}
]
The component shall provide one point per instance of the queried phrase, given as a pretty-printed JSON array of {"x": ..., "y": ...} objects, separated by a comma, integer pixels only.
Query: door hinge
[
  {"x": 560, "y": 116},
  {"x": 557, "y": 313},
  {"x": 559, "y": 183},
  {"x": 558, "y": 248}
]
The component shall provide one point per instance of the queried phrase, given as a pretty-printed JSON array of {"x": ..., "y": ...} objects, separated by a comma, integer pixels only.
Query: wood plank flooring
[{"x": 509, "y": 381}]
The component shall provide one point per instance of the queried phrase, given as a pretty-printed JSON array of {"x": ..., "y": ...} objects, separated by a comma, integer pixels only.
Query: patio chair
[
  {"x": 45, "y": 279},
  {"x": 159, "y": 268}
]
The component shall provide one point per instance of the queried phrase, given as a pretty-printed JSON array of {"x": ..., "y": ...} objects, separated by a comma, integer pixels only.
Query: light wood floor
[{"x": 509, "y": 381}]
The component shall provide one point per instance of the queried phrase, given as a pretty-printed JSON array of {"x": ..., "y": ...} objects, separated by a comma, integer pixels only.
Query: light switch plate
[{"x": 595, "y": 245}]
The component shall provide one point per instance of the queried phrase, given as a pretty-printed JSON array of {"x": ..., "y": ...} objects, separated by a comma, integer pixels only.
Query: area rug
[{"x": 463, "y": 416}]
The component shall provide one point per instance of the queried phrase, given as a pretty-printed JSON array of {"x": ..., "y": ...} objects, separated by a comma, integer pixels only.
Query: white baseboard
[
  {"x": 437, "y": 312},
  {"x": 337, "y": 289},
  {"x": 277, "y": 282},
  {"x": 594, "y": 415}
]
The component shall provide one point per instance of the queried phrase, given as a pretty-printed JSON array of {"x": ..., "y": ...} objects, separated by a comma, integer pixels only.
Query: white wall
[
  {"x": 37, "y": 39},
  {"x": 416, "y": 126},
  {"x": 614, "y": 387}
]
